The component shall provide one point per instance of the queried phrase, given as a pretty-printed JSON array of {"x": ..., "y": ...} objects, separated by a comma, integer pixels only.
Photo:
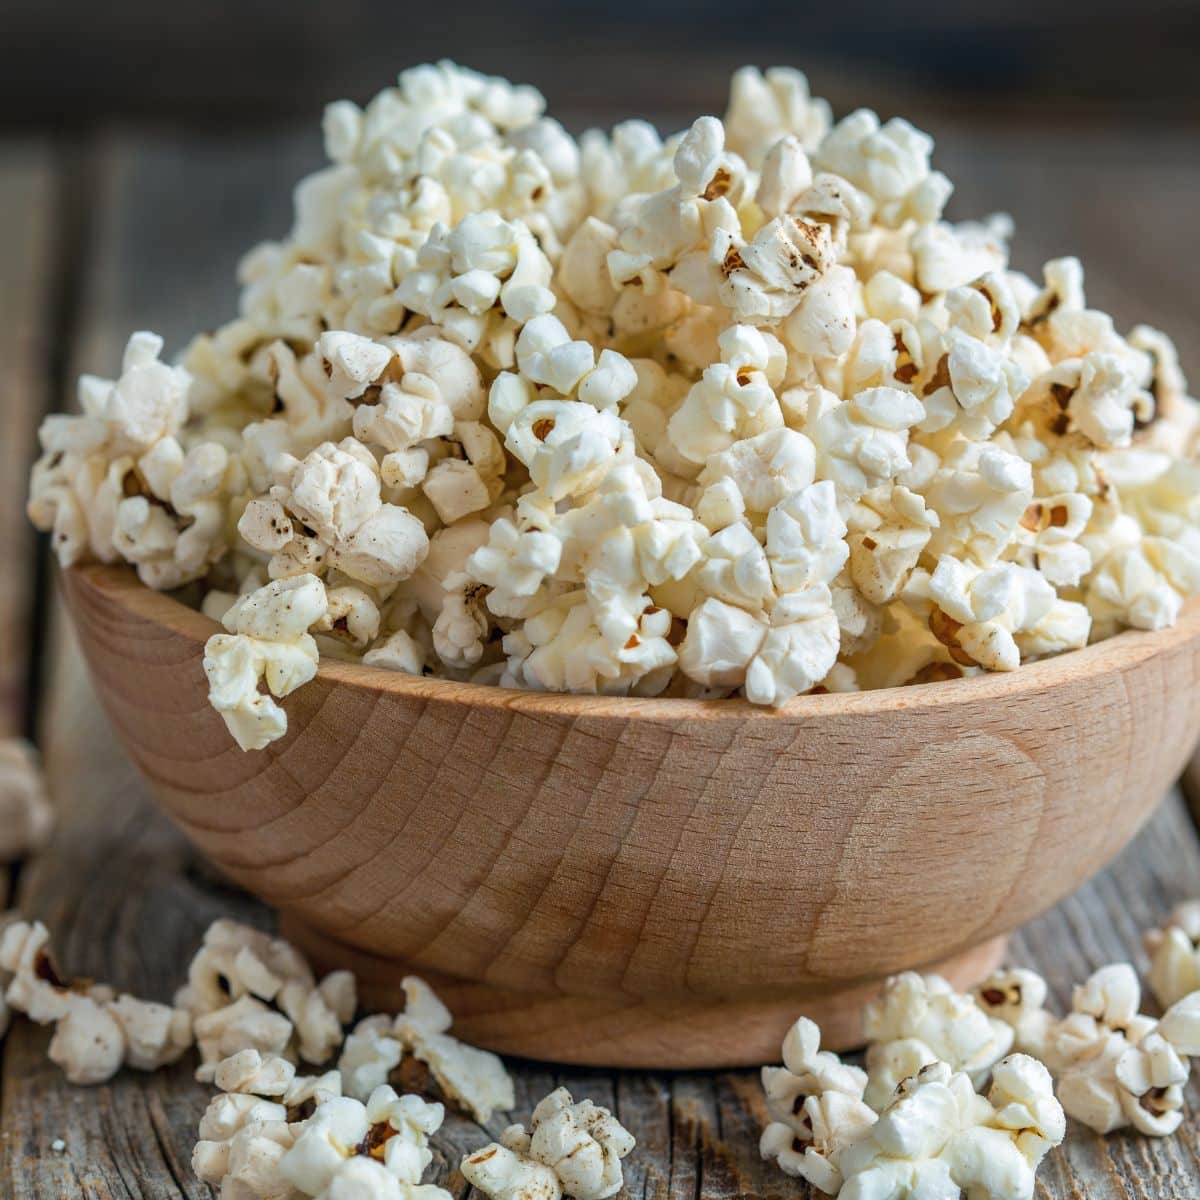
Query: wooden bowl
[{"x": 661, "y": 883}]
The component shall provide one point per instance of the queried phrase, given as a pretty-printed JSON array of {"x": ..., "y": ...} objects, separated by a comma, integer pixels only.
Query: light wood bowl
[{"x": 650, "y": 882}]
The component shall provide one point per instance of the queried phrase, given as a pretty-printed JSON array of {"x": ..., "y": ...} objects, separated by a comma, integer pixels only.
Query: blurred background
[{"x": 73, "y": 63}]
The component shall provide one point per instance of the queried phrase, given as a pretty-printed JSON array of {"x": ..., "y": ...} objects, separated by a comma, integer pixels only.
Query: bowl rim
[{"x": 119, "y": 585}]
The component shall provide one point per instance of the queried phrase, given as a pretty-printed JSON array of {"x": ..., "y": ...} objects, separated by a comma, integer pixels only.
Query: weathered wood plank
[
  {"x": 27, "y": 200},
  {"x": 128, "y": 900}
]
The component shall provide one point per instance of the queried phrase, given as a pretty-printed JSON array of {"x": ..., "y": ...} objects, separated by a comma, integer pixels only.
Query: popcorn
[
  {"x": 1117, "y": 1067},
  {"x": 937, "y": 1136},
  {"x": 766, "y": 468},
  {"x": 890, "y": 163},
  {"x": 570, "y": 1148},
  {"x": 1174, "y": 952},
  {"x": 1017, "y": 997},
  {"x": 935, "y": 1023},
  {"x": 391, "y": 1131},
  {"x": 282, "y": 654},
  {"x": 508, "y": 408},
  {"x": 25, "y": 814},
  {"x": 470, "y": 1078},
  {"x": 816, "y": 1109},
  {"x": 765, "y": 106},
  {"x": 933, "y": 1134},
  {"x": 95, "y": 1030},
  {"x": 249, "y": 991},
  {"x": 991, "y": 618}
]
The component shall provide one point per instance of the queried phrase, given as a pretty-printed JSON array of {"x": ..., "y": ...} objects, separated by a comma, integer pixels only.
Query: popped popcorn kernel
[{"x": 571, "y": 1148}]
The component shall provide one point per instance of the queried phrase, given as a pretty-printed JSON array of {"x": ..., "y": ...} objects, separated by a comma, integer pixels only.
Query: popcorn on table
[
  {"x": 919, "y": 1019},
  {"x": 1175, "y": 954},
  {"x": 933, "y": 1133},
  {"x": 570, "y": 1149},
  {"x": 472, "y": 1079},
  {"x": 96, "y": 1031},
  {"x": 479, "y": 332},
  {"x": 248, "y": 990},
  {"x": 1114, "y": 1065}
]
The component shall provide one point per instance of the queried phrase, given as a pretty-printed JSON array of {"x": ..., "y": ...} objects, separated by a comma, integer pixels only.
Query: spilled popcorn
[
  {"x": 96, "y": 1031},
  {"x": 253, "y": 1008},
  {"x": 917, "y": 1122},
  {"x": 963, "y": 1093},
  {"x": 1115, "y": 1066},
  {"x": 572, "y": 1149},
  {"x": 736, "y": 412}
]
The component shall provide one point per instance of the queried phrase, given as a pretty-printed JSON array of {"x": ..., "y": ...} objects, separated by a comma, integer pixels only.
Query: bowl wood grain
[{"x": 650, "y": 882}]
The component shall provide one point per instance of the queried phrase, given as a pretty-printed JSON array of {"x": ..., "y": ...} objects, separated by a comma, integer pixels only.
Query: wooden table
[{"x": 133, "y": 229}]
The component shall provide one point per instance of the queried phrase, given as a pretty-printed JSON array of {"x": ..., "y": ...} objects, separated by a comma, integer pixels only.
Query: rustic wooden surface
[{"x": 145, "y": 231}]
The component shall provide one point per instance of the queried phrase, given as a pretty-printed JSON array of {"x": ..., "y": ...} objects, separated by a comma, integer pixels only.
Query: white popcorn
[
  {"x": 568, "y": 446},
  {"x": 507, "y": 1174},
  {"x": 766, "y": 468},
  {"x": 95, "y": 1031},
  {"x": 25, "y": 814},
  {"x": 508, "y": 408},
  {"x": 799, "y": 650},
  {"x": 1117, "y": 1067},
  {"x": 249, "y": 991},
  {"x": 235, "y": 665},
  {"x": 991, "y": 617},
  {"x": 733, "y": 400},
  {"x": 862, "y": 442},
  {"x": 950, "y": 1027},
  {"x": 1017, "y": 997},
  {"x": 816, "y": 1109},
  {"x": 154, "y": 1034},
  {"x": 890, "y": 163},
  {"x": 570, "y": 1148},
  {"x": 981, "y": 494},
  {"x": 888, "y": 543},
  {"x": 390, "y": 1132},
  {"x": 720, "y": 644},
  {"x": 766, "y": 279},
  {"x": 473, "y": 1079},
  {"x": 247, "y": 1023},
  {"x": 949, "y": 256},
  {"x": 248, "y": 1071},
  {"x": 243, "y": 1122},
  {"x": 937, "y": 1137},
  {"x": 1174, "y": 952},
  {"x": 765, "y": 106}
]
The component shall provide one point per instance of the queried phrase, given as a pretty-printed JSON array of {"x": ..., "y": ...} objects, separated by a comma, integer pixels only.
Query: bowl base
[{"x": 701, "y": 1032}]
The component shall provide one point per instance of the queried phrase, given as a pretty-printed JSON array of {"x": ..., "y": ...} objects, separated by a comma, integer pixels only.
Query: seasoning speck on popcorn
[{"x": 734, "y": 412}]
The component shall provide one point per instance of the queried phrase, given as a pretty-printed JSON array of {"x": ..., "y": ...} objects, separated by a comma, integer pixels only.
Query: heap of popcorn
[{"x": 731, "y": 413}]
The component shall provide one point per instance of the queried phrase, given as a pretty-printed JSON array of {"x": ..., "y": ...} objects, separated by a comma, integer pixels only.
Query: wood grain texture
[{"x": 621, "y": 882}]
